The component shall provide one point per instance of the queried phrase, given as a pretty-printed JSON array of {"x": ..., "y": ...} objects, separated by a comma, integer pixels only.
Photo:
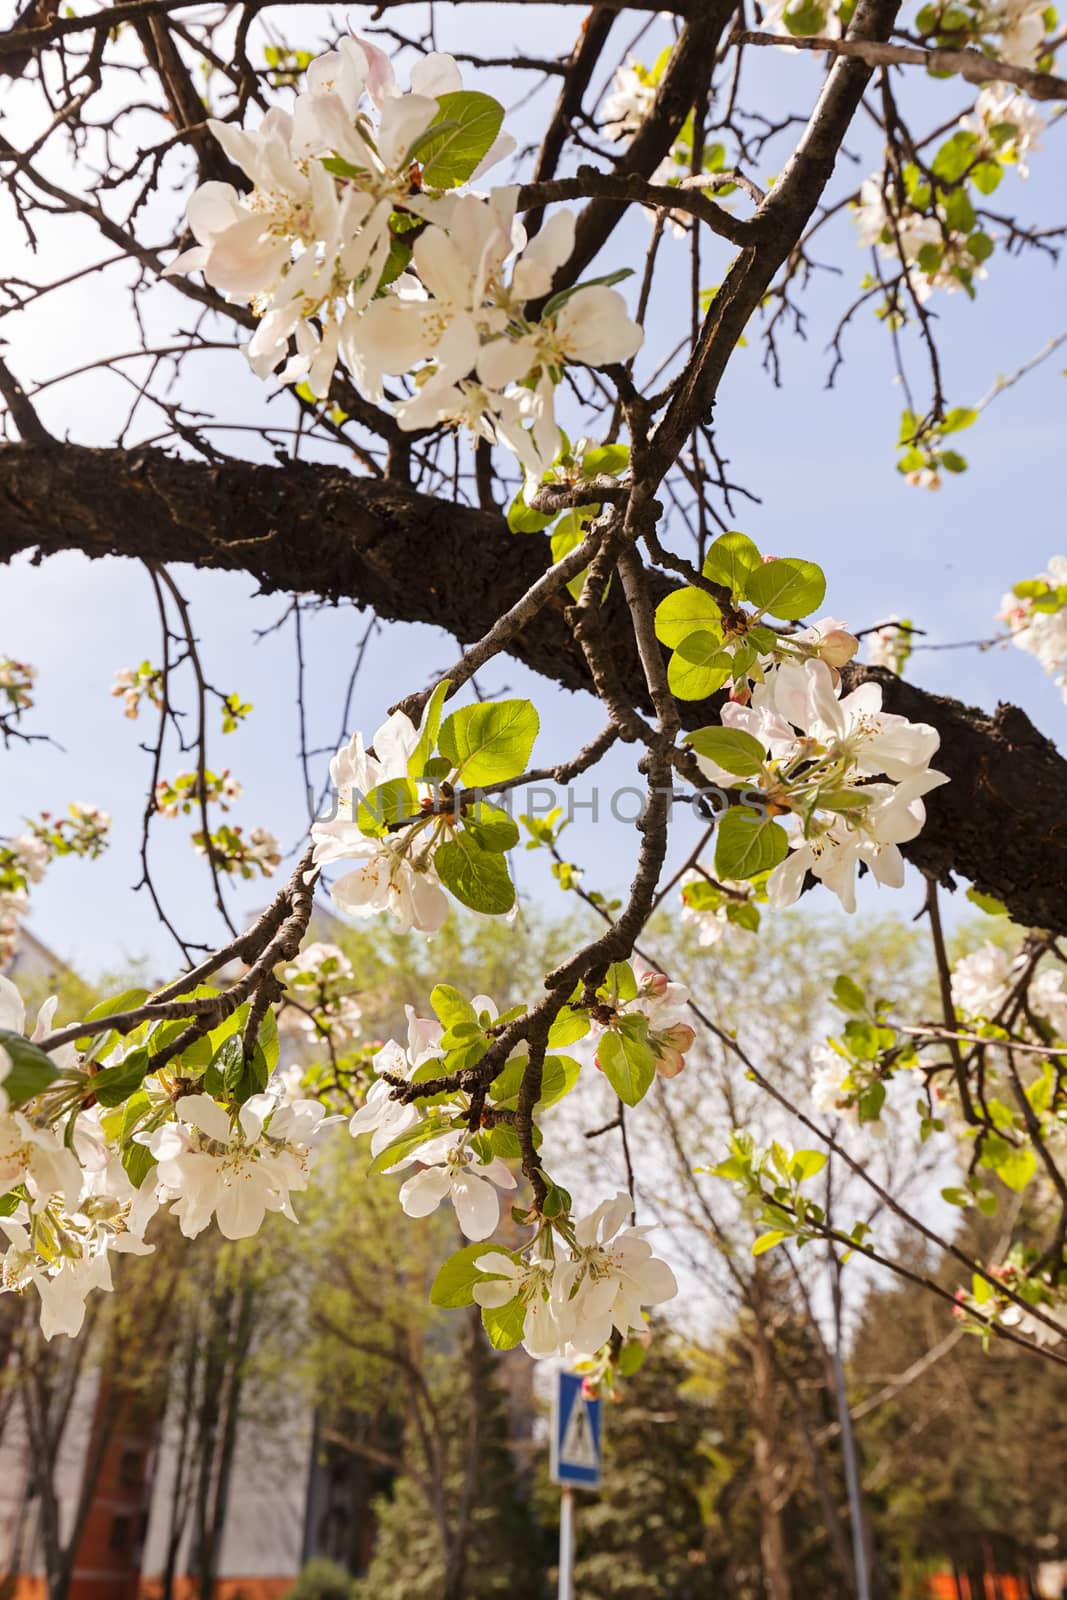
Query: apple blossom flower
[
  {"x": 981, "y": 981},
  {"x": 900, "y": 233},
  {"x": 394, "y": 876},
  {"x": 1019, "y": 26},
  {"x": 14, "y": 904},
  {"x": 890, "y": 645},
  {"x": 997, "y": 110},
  {"x": 236, "y": 1171},
  {"x": 380, "y": 1115},
  {"x": 452, "y": 1171},
  {"x": 1048, "y": 998},
  {"x": 631, "y": 99},
  {"x": 529, "y": 1280},
  {"x": 1041, "y": 630},
  {"x": 828, "y": 1092},
  {"x": 832, "y": 847},
  {"x": 706, "y": 906},
  {"x": 610, "y": 1277},
  {"x": 666, "y": 1005}
]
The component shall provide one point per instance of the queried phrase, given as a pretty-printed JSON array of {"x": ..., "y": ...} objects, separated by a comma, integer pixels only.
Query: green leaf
[
  {"x": 462, "y": 132},
  {"x": 786, "y": 588},
  {"x": 955, "y": 156},
  {"x": 490, "y": 743},
  {"x": 987, "y": 903},
  {"x": 743, "y": 914},
  {"x": 730, "y": 560},
  {"x": 980, "y": 246},
  {"x": 559, "y": 1074},
  {"x": 607, "y": 280},
  {"x": 731, "y": 748},
  {"x": 491, "y": 827},
  {"x": 393, "y": 801},
  {"x": 870, "y": 1103},
  {"x": 450, "y": 1008},
  {"x": 806, "y": 18},
  {"x": 959, "y": 212},
  {"x": 457, "y": 1276},
  {"x": 430, "y": 726},
  {"x": 129, "y": 1000},
  {"x": 747, "y": 844},
  {"x": 522, "y": 520},
  {"x": 611, "y": 459},
  {"x": 687, "y": 611},
  {"x": 138, "y": 1162},
  {"x": 620, "y": 983},
  {"x": 807, "y": 1164},
  {"x": 699, "y": 667},
  {"x": 627, "y": 1059},
  {"x": 848, "y": 996},
  {"x": 32, "y": 1069},
  {"x": 1017, "y": 1168},
  {"x": 504, "y": 1324},
  {"x": 631, "y": 1358},
  {"x": 115, "y": 1084},
  {"x": 478, "y": 878},
  {"x": 230, "y": 1062},
  {"x": 568, "y": 1028},
  {"x": 340, "y": 168},
  {"x": 405, "y": 1144},
  {"x": 767, "y": 1241}
]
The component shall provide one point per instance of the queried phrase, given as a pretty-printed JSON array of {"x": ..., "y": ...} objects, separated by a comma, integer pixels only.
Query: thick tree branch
[{"x": 1001, "y": 822}]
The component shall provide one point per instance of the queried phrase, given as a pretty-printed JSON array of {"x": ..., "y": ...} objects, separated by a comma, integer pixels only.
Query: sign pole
[
  {"x": 566, "y": 1543},
  {"x": 574, "y": 1461}
]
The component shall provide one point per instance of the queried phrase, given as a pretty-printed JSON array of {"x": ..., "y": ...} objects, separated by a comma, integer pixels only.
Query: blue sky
[{"x": 822, "y": 462}]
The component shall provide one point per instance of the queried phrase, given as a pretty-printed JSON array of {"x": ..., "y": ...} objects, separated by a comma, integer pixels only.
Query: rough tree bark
[{"x": 1001, "y": 822}]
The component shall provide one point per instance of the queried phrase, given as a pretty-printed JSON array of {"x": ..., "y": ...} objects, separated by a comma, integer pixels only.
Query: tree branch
[{"x": 1001, "y": 822}]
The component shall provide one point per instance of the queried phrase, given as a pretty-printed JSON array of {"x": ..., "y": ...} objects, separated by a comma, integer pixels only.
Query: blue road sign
[{"x": 576, "y": 1434}]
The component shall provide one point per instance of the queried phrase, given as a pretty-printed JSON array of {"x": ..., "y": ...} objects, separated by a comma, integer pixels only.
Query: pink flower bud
[
  {"x": 670, "y": 1047},
  {"x": 837, "y": 647}
]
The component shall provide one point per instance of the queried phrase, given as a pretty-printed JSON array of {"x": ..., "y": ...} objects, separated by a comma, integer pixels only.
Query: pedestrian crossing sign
[{"x": 576, "y": 1434}]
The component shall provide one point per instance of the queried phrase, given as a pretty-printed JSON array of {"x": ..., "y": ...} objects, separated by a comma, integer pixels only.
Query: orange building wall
[{"x": 943, "y": 1586}]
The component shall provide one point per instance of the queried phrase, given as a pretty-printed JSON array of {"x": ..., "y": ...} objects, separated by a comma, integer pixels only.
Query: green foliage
[
  {"x": 478, "y": 878},
  {"x": 504, "y": 1554},
  {"x": 731, "y": 748},
  {"x": 747, "y": 844},
  {"x": 460, "y": 135},
  {"x": 489, "y": 743},
  {"x": 31, "y": 1070},
  {"x": 627, "y": 1059},
  {"x": 323, "y": 1580},
  {"x": 729, "y": 561}
]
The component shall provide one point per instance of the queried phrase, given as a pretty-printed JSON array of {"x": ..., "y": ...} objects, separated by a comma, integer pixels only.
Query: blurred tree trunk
[{"x": 768, "y": 1476}]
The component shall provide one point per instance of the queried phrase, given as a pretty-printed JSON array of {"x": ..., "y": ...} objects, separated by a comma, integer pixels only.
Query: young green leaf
[
  {"x": 730, "y": 560},
  {"x": 687, "y": 611},
  {"x": 786, "y": 588},
  {"x": 504, "y": 1324},
  {"x": 747, "y": 844},
  {"x": 730, "y": 748},
  {"x": 430, "y": 727},
  {"x": 461, "y": 134},
  {"x": 490, "y": 743},
  {"x": 698, "y": 667},
  {"x": 31, "y": 1071},
  {"x": 457, "y": 1276},
  {"x": 478, "y": 878},
  {"x": 627, "y": 1059}
]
